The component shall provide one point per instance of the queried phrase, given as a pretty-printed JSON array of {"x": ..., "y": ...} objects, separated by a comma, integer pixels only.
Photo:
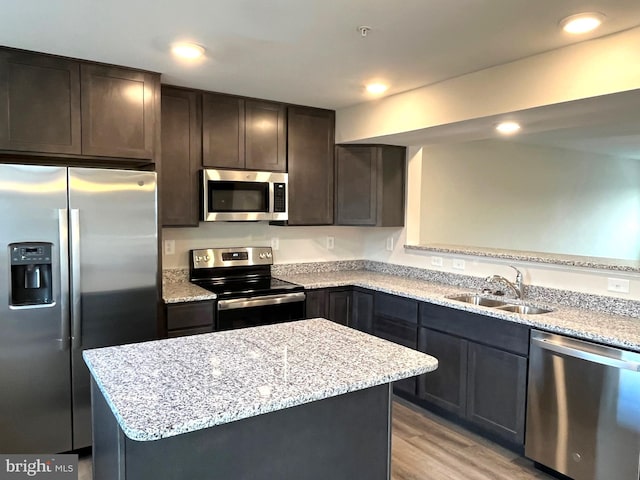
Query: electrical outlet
[
  {"x": 275, "y": 243},
  {"x": 169, "y": 247},
  {"x": 390, "y": 243},
  {"x": 330, "y": 243},
  {"x": 618, "y": 285},
  {"x": 436, "y": 261},
  {"x": 458, "y": 264}
]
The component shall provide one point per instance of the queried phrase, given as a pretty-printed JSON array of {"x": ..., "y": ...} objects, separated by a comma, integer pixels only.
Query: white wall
[
  {"x": 596, "y": 67},
  {"x": 502, "y": 194},
  {"x": 552, "y": 276},
  {"x": 296, "y": 244}
]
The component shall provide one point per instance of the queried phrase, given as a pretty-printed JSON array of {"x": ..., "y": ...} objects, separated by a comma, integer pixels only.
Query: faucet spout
[{"x": 516, "y": 287}]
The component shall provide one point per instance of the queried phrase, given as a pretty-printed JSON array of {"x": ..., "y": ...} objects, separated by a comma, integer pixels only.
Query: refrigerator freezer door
[
  {"x": 114, "y": 248},
  {"x": 35, "y": 414}
]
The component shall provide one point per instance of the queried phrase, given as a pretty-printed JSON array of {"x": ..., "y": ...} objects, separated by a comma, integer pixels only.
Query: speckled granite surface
[
  {"x": 617, "y": 330},
  {"x": 315, "y": 267},
  {"x": 168, "y": 387},
  {"x": 176, "y": 287},
  {"x": 538, "y": 257}
]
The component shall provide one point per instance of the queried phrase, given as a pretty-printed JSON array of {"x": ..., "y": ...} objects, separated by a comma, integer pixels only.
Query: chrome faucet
[{"x": 516, "y": 286}]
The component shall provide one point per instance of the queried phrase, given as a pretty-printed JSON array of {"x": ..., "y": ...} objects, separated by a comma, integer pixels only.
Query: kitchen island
[{"x": 300, "y": 400}]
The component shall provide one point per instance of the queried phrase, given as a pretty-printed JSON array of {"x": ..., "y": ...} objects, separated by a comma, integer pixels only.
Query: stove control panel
[{"x": 231, "y": 257}]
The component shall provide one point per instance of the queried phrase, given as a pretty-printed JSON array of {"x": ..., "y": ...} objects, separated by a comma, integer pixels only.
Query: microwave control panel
[{"x": 279, "y": 197}]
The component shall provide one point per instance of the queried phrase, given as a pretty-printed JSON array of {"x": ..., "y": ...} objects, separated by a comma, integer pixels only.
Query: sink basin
[
  {"x": 477, "y": 300},
  {"x": 524, "y": 309}
]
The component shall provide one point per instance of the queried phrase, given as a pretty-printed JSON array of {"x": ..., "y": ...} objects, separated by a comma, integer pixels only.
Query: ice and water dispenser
[{"x": 30, "y": 274}]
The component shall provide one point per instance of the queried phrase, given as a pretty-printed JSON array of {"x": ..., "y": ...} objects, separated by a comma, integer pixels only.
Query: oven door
[{"x": 260, "y": 310}]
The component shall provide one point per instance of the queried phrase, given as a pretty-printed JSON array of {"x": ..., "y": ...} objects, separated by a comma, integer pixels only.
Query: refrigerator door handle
[
  {"x": 76, "y": 320},
  {"x": 63, "y": 230}
]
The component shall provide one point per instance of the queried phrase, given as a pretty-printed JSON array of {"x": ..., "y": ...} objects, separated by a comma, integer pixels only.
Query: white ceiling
[{"x": 303, "y": 51}]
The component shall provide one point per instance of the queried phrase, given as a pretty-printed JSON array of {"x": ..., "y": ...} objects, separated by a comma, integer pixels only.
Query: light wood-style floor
[{"x": 426, "y": 447}]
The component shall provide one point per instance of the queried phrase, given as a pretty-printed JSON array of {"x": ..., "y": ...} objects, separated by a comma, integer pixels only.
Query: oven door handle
[{"x": 247, "y": 302}]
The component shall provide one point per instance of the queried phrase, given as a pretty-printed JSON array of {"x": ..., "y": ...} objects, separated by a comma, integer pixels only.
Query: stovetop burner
[
  {"x": 255, "y": 287},
  {"x": 237, "y": 272}
]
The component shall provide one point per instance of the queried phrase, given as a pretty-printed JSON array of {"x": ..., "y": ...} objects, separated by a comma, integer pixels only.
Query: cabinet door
[
  {"x": 316, "y": 303},
  {"x": 310, "y": 164},
  {"x": 396, "y": 319},
  {"x": 265, "y": 136},
  {"x": 118, "y": 117},
  {"x": 39, "y": 103},
  {"x": 181, "y": 157},
  {"x": 356, "y": 185},
  {"x": 362, "y": 312},
  {"x": 339, "y": 309},
  {"x": 496, "y": 391},
  {"x": 445, "y": 387},
  {"x": 189, "y": 318},
  {"x": 222, "y": 131}
]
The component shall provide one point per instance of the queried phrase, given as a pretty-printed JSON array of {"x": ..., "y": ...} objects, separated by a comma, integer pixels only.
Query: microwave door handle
[{"x": 271, "y": 197}]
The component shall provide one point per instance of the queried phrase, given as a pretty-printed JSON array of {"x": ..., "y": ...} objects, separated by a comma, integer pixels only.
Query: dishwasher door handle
[
  {"x": 582, "y": 354},
  {"x": 248, "y": 302}
]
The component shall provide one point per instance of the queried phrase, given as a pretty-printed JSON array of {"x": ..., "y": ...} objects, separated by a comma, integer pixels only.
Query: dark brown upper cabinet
[
  {"x": 243, "y": 133},
  {"x": 265, "y": 138},
  {"x": 222, "y": 131},
  {"x": 310, "y": 152},
  {"x": 370, "y": 185},
  {"x": 39, "y": 103},
  {"x": 181, "y": 157},
  {"x": 118, "y": 115}
]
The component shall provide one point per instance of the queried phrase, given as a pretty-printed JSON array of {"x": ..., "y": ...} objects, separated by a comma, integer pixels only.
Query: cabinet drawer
[
  {"x": 402, "y": 333},
  {"x": 187, "y": 315},
  {"x": 491, "y": 331},
  {"x": 393, "y": 307}
]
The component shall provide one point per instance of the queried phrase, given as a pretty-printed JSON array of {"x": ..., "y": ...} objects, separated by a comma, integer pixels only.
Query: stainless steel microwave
[{"x": 242, "y": 195}]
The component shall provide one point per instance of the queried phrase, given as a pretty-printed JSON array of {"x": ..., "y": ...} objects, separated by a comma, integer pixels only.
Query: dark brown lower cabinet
[
  {"x": 362, "y": 311},
  {"x": 329, "y": 303},
  {"x": 189, "y": 318},
  {"x": 396, "y": 319},
  {"x": 339, "y": 307},
  {"x": 496, "y": 391},
  {"x": 445, "y": 387},
  {"x": 482, "y": 370},
  {"x": 316, "y": 303}
]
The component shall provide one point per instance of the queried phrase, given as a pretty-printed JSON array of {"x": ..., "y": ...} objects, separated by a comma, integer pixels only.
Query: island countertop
[{"x": 168, "y": 387}]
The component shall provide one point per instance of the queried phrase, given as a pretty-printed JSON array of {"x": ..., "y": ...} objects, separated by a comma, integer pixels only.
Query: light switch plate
[
  {"x": 390, "y": 243},
  {"x": 330, "y": 243},
  {"x": 458, "y": 264},
  {"x": 618, "y": 285},
  {"x": 436, "y": 261}
]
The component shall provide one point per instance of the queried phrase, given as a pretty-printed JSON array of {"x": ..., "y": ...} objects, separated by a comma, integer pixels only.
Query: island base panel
[{"x": 342, "y": 437}]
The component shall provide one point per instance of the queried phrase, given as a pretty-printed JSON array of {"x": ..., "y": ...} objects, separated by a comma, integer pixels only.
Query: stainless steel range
[{"x": 247, "y": 293}]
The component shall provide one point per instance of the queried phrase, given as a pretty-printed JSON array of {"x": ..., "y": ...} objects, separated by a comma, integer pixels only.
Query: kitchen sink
[
  {"x": 524, "y": 309},
  {"x": 477, "y": 300},
  {"x": 481, "y": 300}
]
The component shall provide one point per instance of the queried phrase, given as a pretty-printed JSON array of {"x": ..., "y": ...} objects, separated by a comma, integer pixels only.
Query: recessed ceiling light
[
  {"x": 190, "y": 51},
  {"x": 582, "y": 22},
  {"x": 377, "y": 88},
  {"x": 508, "y": 128}
]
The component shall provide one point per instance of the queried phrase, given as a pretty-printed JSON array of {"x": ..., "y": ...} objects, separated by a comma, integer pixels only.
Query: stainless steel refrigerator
[{"x": 78, "y": 260}]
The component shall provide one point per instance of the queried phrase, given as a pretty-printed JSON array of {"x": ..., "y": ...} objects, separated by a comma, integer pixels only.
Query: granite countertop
[
  {"x": 168, "y": 387},
  {"x": 616, "y": 330},
  {"x": 184, "y": 291}
]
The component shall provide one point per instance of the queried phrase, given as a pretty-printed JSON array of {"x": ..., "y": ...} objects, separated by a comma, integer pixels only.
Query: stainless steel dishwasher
[{"x": 583, "y": 411}]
